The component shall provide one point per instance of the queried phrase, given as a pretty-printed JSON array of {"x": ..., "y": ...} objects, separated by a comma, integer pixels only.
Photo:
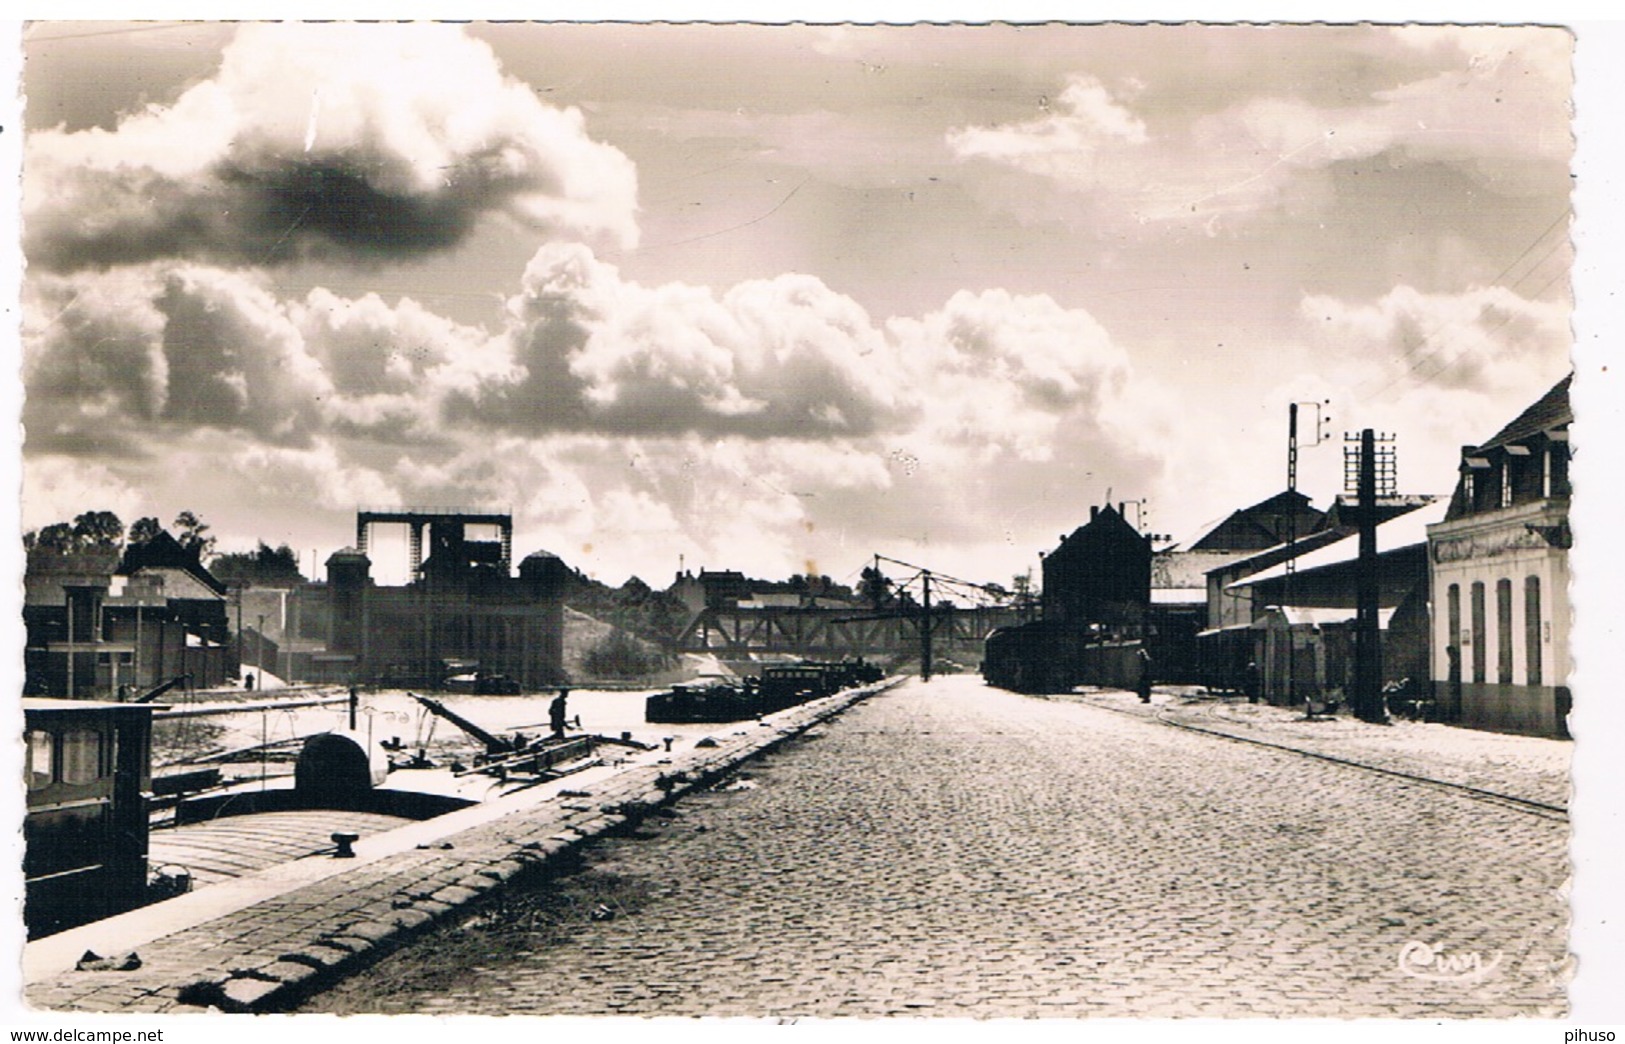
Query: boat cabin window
[
  {"x": 41, "y": 760},
  {"x": 81, "y": 756}
]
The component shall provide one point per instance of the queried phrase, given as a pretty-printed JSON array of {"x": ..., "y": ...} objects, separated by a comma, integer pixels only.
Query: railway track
[{"x": 1529, "y": 806}]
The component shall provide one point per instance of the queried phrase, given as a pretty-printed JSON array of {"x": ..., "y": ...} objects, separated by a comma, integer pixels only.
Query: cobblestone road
[{"x": 949, "y": 849}]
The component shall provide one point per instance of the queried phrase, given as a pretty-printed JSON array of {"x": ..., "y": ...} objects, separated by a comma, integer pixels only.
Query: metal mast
[
  {"x": 1375, "y": 474},
  {"x": 925, "y": 630},
  {"x": 1292, "y": 534},
  {"x": 1292, "y": 551}
]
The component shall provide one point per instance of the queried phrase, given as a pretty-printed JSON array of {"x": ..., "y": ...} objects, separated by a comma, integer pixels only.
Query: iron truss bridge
[{"x": 834, "y": 634}]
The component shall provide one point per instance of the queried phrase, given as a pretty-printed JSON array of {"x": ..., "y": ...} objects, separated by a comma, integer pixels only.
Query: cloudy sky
[{"x": 775, "y": 298}]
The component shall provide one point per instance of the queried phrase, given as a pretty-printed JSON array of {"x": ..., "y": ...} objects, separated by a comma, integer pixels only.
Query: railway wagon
[
  {"x": 1036, "y": 657},
  {"x": 87, "y": 767},
  {"x": 1047, "y": 657}
]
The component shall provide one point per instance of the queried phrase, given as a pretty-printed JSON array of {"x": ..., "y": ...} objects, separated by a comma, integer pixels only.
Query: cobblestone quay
[{"x": 949, "y": 849}]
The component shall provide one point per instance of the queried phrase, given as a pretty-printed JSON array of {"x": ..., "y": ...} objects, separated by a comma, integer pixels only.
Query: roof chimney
[{"x": 1094, "y": 512}]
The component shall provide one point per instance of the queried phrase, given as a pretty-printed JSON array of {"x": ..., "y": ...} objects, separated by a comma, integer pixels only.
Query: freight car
[
  {"x": 1045, "y": 657},
  {"x": 1035, "y": 657}
]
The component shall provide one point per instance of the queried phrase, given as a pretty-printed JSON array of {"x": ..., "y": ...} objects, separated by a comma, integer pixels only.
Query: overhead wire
[{"x": 1431, "y": 350}]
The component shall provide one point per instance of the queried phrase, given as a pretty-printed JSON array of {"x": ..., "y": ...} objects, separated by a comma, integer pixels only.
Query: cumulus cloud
[
  {"x": 1007, "y": 373},
  {"x": 320, "y": 476},
  {"x": 187, "y": 346},
  {"x": 59, "y": 489},
  {"x": 160, "y": 348},
  {"x": 405, "y": 137},
  {"x": 993, "y": 375},
  {"x": 1437, "y": 371},
  {"x": 1066, "y": 142},
  {"x": 784, "y": 357},
  {"x": 1495, "y": 105},
  {"x": 633, "y": 423},
  {"x": 94, "y": 349},
  {"x": 392, "y": 366},
  {"x": 1487, "y": 340}
]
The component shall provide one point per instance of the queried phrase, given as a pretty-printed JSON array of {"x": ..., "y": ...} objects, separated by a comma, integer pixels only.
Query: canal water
[{"x": 391, "y": 715}]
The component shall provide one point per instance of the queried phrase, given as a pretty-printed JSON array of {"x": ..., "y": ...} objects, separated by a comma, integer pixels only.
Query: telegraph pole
[
  {"x": 68, "y": 599},
  {"x": 140, "y": 603},
  {"x": 925, "y": 631},
  {"x": 922, "y": 612},
  {"x": 1292, "y": 551},
  {"x": 1367, "y": 630},
  {"x": 1292, "y": 534}
]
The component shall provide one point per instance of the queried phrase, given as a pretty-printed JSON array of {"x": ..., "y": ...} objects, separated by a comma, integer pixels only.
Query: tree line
[{"x": 104, "y": 531}]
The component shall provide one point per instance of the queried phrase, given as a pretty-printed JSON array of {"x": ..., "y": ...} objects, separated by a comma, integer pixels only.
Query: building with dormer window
[
  {"x": 101, "y": 624},
  {"x": 1499, "y": 567}
]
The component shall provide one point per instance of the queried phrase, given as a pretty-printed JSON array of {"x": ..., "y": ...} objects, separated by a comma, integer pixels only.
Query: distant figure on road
[
  {"x": 1145, "y": 675},
  {"x": 556, "y": 713},
  {"x": 1251, "y": 681}
]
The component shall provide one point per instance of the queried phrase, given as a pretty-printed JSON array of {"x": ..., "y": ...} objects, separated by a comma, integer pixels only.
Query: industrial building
[
  {"x": 462, "y": 612},
  {"x": 100, "y": 623}
]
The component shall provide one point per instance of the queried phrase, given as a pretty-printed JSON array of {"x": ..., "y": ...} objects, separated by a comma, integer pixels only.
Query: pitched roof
[
  {"x": 163, "y": 551},
  {"x": 1318, "y": 616},
  {"x": 1393, "y": 534},
  {"x": 1549, "y": 411},
  {"x": 180, "y": 583},
  {"x": 1259, "y": 560},
  {"x": 1104, "y": 523},
  {"x": 87, "y": 562},
  {"x": 1182, "y": 569},
  {"x": 1262, "y": 525}
]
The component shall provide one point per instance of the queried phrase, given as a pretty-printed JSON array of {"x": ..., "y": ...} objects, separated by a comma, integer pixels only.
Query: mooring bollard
[{"x": 344, "y": 841}]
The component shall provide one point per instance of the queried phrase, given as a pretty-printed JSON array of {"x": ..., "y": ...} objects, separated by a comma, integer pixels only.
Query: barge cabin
[{"x": 89, "y": 776}]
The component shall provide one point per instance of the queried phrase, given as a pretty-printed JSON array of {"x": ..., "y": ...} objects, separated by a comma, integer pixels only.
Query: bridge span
[{"x": 840, "y": 633}]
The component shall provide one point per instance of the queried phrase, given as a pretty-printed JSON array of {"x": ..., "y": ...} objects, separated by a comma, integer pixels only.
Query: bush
[{"x": 620, "y": 655}]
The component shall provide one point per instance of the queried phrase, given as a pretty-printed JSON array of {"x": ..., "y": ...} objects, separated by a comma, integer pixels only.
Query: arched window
[
  {"x": 1479, "y": 633},
  {"x": 1531, "y": 629},
  {"x": 1503, "y": 631},
  {"x": 1453, "y": 618}
]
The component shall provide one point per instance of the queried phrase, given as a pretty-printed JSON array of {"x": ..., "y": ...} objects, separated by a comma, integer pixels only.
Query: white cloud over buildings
[
  {"x": 179, "y": 344},
  {"x": 1498, "y": 109},
  {"x": 361, "y": 142}
]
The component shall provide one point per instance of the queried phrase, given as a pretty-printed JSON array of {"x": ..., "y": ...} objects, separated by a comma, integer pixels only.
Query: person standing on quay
[{"x": 556, "y": 712}]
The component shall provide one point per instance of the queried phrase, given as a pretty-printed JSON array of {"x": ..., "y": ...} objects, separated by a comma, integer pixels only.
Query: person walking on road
[
  {"x": 1145, "y": 675},
  {"x": 556, "y": 712}
]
